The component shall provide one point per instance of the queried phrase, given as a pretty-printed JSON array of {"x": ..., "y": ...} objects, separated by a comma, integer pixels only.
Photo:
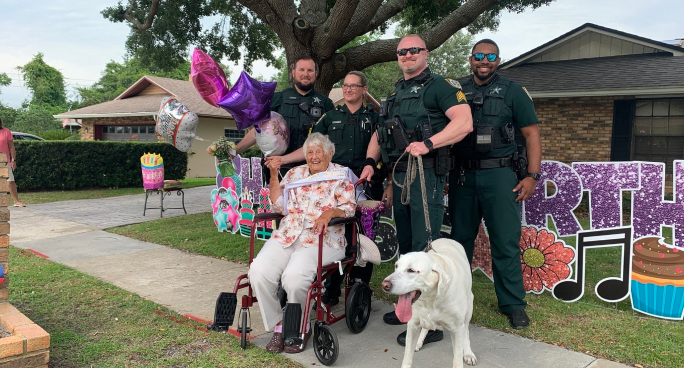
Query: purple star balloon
[
  {"x": 249, "y": 101},
  {"x": 208, "y": 77}
]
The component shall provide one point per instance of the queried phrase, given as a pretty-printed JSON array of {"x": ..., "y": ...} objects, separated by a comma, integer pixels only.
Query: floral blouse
[{"x": 306, "y": 204}]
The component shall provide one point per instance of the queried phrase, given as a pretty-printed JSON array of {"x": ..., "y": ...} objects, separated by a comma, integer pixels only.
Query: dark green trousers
[
  {"x": 409, "y": 219},
  {"x": 489, "y": 193}
]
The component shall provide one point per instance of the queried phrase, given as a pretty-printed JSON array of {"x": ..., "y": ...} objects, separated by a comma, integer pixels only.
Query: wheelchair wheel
[
  {"x": 326, "y": 346},
  {"x": 358, "y": 307},
  {"x": 243, "y": 330}
]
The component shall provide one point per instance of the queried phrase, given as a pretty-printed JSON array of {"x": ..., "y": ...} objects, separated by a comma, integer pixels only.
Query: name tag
[{"x": 337, "y": 122}]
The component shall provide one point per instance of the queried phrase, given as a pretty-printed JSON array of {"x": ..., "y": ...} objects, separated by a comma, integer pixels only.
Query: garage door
[{"x": 128, "y": 133}]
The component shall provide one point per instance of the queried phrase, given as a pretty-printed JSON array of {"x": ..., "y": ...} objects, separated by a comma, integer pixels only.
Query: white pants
[{"x": 295, "y": 265}]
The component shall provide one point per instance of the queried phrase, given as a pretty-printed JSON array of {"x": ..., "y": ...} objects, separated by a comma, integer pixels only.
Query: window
[
  {"x": 659, "y": 131},
  {"x": 233, "y": 135},
  {"x": 127, "y": 133}
]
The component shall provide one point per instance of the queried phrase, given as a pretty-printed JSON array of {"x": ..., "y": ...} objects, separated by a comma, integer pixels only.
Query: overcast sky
[{"x": 78, "y": 41}]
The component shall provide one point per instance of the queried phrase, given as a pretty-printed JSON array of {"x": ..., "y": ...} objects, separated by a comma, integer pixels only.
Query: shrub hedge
[{"x": 88, "y": 164}]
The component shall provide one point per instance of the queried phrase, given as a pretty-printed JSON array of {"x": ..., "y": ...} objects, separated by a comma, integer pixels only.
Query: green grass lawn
[
  {"x": 605, "y": 330},
  {"x": 94, "y": 324},
  {"x": 65, "y": 195}
]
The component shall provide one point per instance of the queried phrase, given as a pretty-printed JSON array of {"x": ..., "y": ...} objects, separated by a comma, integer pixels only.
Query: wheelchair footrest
[
  {"x": 292, "y": 323},
  {"x": 226, "y": 303}
]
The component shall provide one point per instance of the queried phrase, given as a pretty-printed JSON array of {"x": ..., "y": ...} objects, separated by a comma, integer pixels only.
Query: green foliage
[
  {"x": 45, "y": 82},
  {"x": 8, "y": 115},
  {"x": 451, "y": 59},
  {"x": 5, "y": 80},
  {"x": 37, "y": 119},
  {"x": 58, "y": 135},
  {"x": 87, "y": 164},
  {"x": 253, "y": 151},
  {"x": 117, "y": 77},
  {"x": 238, "y": 34},
  {"x": 381, "y": 78},
  {"x": 241, "y": 34}
]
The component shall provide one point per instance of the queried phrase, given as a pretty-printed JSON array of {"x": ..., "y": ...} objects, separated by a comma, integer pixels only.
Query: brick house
[
  {"x": 132, "y": 115},
  {"x": 606, "y": 95}
]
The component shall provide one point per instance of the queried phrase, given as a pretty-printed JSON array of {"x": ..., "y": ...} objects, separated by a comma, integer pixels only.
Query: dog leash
[{"x": 406, "y": 191}]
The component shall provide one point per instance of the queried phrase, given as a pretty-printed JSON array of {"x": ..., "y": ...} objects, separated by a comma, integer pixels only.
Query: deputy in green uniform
[
  {"x": 300, "y": 105},
  {"x": 434, "y": 114},
  {"x": 484, "y": 183},
  {"x": 350, "y": 127}
]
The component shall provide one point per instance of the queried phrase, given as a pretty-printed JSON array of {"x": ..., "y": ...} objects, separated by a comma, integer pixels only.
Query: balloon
[
  {"x": 273, "y": 135},
  {"x": 208, "y": 77},
  {"x": 249, "y": 101},
  {"x": 176, "y": 124}
]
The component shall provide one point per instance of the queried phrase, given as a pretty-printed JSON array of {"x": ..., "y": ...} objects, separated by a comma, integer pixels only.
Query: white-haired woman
[{"x": 309, "y": 196}]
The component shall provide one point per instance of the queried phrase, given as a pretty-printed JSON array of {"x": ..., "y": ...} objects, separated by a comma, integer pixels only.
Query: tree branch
[
  {"x": 458, "y": 19},
  {"x": 150, "y": 16},
  {"x": 325, "y": 37},
  {"x": 363, "y": 15},
  {"x": 313, "y": 11},
  {"x": 380, "y": 51},
  {"x": 384, "y": 13},
  {"x": 278, "y": 14}
]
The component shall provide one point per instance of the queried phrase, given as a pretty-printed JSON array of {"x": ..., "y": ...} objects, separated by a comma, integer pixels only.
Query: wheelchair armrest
[
  {"x": 267, "y": 216},
  {"x": 341, "y": 220}
]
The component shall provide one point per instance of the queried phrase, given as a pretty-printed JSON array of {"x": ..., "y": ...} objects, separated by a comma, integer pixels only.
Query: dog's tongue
[{"x": 403, "y": 308}]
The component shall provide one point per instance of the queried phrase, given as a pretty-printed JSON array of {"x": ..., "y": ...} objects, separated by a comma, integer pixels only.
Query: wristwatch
[
  {"x": 535, "y": 176},
  {"x": 428, "y": 144}
]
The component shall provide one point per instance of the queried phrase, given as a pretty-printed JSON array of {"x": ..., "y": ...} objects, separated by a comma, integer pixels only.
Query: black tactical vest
[
  {"x": 407, "y": 103},
  {"x": 493, "y": 112},
  {"x": 297, "y": 112}
]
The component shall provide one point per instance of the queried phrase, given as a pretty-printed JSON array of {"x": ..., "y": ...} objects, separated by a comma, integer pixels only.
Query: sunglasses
[
  {"x": 412, "y": 50},
  {"x": 490, "y": 57}
]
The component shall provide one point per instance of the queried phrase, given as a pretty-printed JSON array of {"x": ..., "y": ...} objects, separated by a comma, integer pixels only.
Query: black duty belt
[
  {"x": 488, "y": 163},
  {"x": 428, "y": 163}
]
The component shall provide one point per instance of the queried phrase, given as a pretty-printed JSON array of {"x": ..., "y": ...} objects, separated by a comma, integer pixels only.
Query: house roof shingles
[
  {"x": 631, "y": 72},
  {"x": 130, "y": 103}
]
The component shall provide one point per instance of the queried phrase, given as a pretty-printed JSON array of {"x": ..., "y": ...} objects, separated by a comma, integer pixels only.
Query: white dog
[{"x": 435, "y": 292}]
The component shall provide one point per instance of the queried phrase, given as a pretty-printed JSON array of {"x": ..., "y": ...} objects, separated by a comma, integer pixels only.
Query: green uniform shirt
[
  {"x": 516, "y": 107},
  {"x": 351, "y": 133}
]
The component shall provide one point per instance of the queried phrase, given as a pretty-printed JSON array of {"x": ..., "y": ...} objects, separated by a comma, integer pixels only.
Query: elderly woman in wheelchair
[{"x": 309, "y": 196}]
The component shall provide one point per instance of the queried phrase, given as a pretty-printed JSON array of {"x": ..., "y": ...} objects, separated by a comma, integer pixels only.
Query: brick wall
[
  {"x": 575, "y": 128},
  {"x": 29, "y": 345},
  {"x": 93, "y": 123}
]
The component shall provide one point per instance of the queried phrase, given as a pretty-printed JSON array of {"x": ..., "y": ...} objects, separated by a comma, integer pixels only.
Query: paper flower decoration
[{"x": 545, "y": 260}]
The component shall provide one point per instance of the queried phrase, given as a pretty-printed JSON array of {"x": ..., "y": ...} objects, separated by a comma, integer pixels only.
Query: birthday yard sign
[{"x": 651, "y": 272}]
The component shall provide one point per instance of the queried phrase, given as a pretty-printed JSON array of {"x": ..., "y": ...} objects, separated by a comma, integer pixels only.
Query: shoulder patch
[
  {"x": 528, "y": 94},
  {"x": 454, "y": 83},
  {"x": 460, "y": 96}
]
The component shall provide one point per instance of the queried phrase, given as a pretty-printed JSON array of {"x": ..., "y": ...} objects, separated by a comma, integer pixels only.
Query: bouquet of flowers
[{"x": 224, "y": 151}]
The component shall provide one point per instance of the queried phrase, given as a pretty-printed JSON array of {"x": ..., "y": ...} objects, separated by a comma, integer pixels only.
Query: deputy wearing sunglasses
[
  {"x": 483, "y": 183},
  {"x": 434, "y": 114}
]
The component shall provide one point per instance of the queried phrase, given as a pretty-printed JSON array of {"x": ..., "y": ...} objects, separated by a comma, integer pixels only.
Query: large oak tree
[{"x": 162, "y": 31}]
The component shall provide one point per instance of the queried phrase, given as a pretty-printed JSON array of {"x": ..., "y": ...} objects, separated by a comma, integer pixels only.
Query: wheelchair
[{"x": 357, "y": 297}]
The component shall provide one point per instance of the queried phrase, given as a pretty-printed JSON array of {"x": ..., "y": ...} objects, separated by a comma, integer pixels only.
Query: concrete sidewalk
[{"x": 71, "y": 233}]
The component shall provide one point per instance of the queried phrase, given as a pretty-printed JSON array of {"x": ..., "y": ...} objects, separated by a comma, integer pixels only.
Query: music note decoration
[{"x": 610, "y": 289}]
